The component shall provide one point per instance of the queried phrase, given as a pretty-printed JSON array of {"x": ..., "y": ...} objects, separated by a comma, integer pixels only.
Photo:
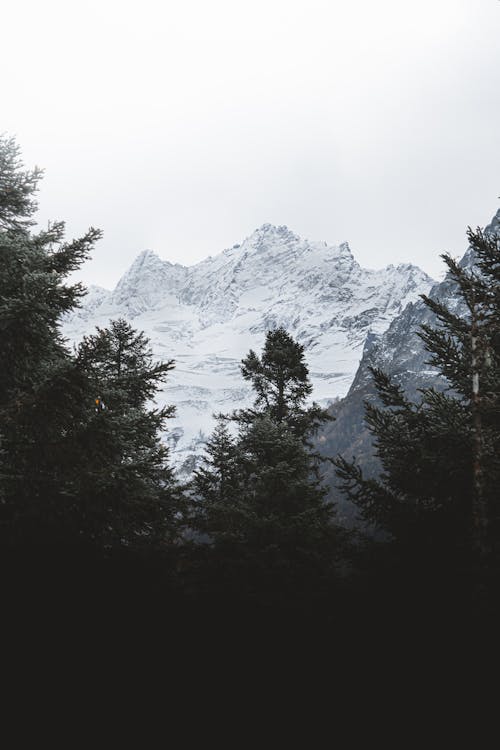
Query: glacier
[{"x": 207, "y": 316}]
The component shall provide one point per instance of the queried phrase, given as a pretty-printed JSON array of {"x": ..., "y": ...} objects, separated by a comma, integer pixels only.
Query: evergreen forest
[{"x": 92, "y": 512}]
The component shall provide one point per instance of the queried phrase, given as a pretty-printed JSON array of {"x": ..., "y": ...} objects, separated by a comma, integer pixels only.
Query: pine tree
[
  {"x": 217, "y": 484},
  {"x": 438, "y": 493},
  {"x": 280, "y": 379},
  {"x": 275, "y": 512},
  {"x": 35, "y": 388},
  {"x": 80, "y": 449},
  {"x": 17, "y": 187},
  {"x": 124, "y": 490},
  {"x": 284, "y": 500},
  {"x": 469, "y": 356}
]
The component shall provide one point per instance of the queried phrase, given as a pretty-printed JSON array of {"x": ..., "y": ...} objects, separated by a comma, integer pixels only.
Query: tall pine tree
[
  {"x": 37, "y": 375},
  {"x": 217, "y": 484},
  {"x": 438, "y": 493},
  {"x": 273, "y": 509},
  {"x": 69, "y": 468},
  {"x": 124, "y": 490}
]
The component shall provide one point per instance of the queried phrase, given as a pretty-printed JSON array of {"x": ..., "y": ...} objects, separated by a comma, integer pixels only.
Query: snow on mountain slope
[{"x": 209, "y": 315}]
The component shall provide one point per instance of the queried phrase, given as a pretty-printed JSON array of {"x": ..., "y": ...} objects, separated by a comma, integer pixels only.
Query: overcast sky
[{"x": 182, "y": 126}]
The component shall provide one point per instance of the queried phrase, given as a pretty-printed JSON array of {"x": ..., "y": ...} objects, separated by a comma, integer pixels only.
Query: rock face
[
  {"x": 400, "y": 352},
  {"x": 209, "y": 315}
]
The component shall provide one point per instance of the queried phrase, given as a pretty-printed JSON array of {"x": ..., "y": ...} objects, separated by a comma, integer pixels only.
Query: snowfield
[{"x": 206, "y": 317}]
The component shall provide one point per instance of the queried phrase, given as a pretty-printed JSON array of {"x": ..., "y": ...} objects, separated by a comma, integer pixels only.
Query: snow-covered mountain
[{"x": 209, "y": 315}]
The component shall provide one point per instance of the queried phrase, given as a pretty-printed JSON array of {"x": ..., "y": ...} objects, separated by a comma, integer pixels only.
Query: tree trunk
[{"x": 479, "y": 505}]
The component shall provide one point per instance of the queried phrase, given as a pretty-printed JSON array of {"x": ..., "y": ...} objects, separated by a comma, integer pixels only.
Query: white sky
[{"x": 182, "y": 126}]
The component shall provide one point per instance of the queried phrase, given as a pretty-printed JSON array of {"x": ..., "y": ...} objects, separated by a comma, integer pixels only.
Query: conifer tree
[
  {"x": 124, "y": 490},
  {"x": 441, "y": 465},
  {"x": 280, "y": 380},
  {"x": 37, "y": 374},
  {"x": 217, "y": 484},
  {"x": 17, "y": 187},
  {"x": 276, "y": 512},
  {"x": 80, "y": 449}
]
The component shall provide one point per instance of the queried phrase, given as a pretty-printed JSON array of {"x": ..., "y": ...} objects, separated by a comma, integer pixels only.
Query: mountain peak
[
  {"x": 494, "y": 225},
  {"x": 143, "y": 263},
  {"x": 268, "y": 228},
  {"x": 146, "y": 255},
  {"x": 345, "y": 250},
  {"x": 208, "y": 315},
  {"x": 147, "y": 282},
  {"x": 271, "y": 232}
]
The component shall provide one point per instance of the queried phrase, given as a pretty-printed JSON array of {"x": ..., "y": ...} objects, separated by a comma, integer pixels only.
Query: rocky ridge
[{"x": 399, "y": 352}]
